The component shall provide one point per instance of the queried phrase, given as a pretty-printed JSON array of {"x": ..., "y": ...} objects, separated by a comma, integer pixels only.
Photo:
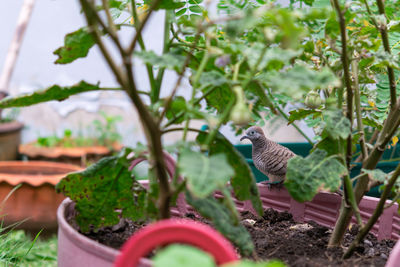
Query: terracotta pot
[
  {"x": 36, "y": 199},
  {"x": 72, "y": 155},
  {"x": 75, "y": 249},
  {"x": 10, "y": 138}
]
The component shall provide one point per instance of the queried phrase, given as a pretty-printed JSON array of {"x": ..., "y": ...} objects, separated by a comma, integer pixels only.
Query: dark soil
[{"x": 277, "y": 236}]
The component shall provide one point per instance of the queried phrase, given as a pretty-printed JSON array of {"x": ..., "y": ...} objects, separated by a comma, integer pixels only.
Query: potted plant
[
  {"x": 81, "y": 149},
  {"x": 10, "y": 135},
  {"x": 33, "y": 205},
  {"x": 240, "y": 65}
]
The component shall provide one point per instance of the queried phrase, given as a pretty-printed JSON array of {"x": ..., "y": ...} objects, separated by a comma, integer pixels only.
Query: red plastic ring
[{"x": 176, "y": 231}]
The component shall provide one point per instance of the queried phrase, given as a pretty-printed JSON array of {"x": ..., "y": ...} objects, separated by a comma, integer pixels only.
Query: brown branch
[
  {"x": 341, "y": 224},
  {"x": 178, "y": 82},
  {"x": 375, "y": 216},
  {"x": 90, "y": 15},
  {"x": 108, "y": 30},
  {"x": 346, "y": 73},
  {"x": 385, "y": 39}
]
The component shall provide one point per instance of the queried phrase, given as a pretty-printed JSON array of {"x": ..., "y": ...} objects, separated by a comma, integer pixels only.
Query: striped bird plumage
[{"x": 268, "y": 156}]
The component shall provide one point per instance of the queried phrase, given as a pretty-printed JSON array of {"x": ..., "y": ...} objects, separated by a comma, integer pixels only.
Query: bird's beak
[{"x": 244, "y": 137}]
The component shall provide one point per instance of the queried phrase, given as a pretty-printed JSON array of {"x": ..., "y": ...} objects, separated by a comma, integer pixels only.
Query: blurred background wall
[{"x": 50, "y": 21}]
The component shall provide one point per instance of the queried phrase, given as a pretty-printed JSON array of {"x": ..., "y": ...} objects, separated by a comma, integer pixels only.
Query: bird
[{"x": 268, "y": 156}]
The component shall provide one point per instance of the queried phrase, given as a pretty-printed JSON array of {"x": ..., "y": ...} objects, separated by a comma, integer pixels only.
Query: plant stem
[
  {"x": 181, "y": 129},
  {"x": 294, "y": 125},
  {"x": 153, "y": 6},
  {"x": 385, "y": 40},
  {"x": 349, "y": 194},
  {"x": 160, "y": 74},
  {"x": 195, "y": 83},
  {"x": 127, "y": 82},
  {"x": 375, "y": 216},
  {"x": 222, "y": 120},
  {"x": 178, "y": 83},
  {"x": 149, "y": 68},
  {"x": 181, "y": 113},
  {"x": 110, "y": 21},
  {"x": 360, "y": 126},
  {"x": 341, "y": 223},
  {"x": 90, "y": 15}
]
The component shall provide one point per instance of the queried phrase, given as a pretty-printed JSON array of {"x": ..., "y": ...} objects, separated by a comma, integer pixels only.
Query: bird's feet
[{"x": 271, "y": 185}]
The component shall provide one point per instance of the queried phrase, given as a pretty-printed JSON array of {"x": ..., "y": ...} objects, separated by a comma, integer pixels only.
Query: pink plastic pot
[
  {"x": 75, "y": 249},
  {"x": 176, "y": 231}
]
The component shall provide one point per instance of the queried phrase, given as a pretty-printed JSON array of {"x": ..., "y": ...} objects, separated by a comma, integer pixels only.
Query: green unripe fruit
[{"x": 313, "y": 100}]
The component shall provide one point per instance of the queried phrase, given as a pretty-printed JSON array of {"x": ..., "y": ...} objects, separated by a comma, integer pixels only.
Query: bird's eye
[{"x": 252, "y": 133}]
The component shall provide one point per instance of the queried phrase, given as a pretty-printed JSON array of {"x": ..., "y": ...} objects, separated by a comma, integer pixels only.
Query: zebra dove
[{"x": 269, "y": 157}]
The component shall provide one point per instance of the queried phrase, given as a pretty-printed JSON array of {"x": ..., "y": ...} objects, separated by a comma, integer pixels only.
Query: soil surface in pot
[{"x": 277, "y": 236}]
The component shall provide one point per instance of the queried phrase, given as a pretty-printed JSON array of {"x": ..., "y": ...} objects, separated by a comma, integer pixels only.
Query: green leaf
[
  {"x": 299, "y": 80},
  {"x": 247, "y": 263},
  {"x": 336, "y": 124},
  {"x": 332, "y": 26},
  {"x": 243, "y": 181},
  {"x": 166, "y": 4},
  {"x": 204, "y": 174},
  {"x": 171, "y": 60},
  {"x": 212, "y": 78},
  {"x": 196, "y": 9},
  {"x": 299, "y": 114},
  {"x": 178, "y": 105},
  {"x": 223, "y": 219},
  {"x": 76, "y": 45},
  {"x": 54, "y": 92},
  {"x": 177, "y": 255},
  {"x": 104, "y": 192},
  {"x": 377, "y": 175},
  {"x": 305, "y": 177},
  {"x": 274, "y": 58}
]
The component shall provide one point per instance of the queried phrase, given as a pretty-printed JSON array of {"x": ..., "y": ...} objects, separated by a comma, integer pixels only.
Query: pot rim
[
  {"x": 35, "y": 180},
  {"x": 31, "y": 150},
  {"x": 81, "y": 240},
  {"x": 10, "y": 127}
]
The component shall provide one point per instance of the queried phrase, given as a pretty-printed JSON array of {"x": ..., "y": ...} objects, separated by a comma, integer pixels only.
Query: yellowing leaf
[
  {"x": 365, "y": 23},
  {"x": 351, "y": 28},
  {"x": 395, "y": 139},
  {"x": 371, "y": 103}
]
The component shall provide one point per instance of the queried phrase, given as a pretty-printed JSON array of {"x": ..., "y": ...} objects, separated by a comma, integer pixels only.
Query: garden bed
[{"x": 277, "y": 235}]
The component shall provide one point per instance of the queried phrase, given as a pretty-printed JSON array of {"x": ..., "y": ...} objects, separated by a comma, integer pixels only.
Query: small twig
[
  {"x": 178, "y": 82},
  {"x": 149, "y": 68},
  {"x": 180, "y": 129},
  {"x": 110, "y": 21},
  {"x": 154, "y": 5},
  {"x": 394, "y": 201},
  {"x": 90, "y": 14},
  {"x": 109, "y": 30}
]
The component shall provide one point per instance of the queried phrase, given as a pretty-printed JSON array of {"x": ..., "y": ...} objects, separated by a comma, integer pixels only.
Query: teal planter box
[{"x": 303, "y": 149}]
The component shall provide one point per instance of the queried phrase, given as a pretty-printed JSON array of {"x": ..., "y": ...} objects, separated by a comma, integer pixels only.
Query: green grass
[{"x": 18, "y": 249}]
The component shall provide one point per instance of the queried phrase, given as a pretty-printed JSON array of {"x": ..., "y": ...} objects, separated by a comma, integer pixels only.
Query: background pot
[
  {"x": 72, "y": 155},
  {"x": 36, "y": 199},
  {"x": 303, "y": 149},
  {"x": 10, "y": 138},
  {"x": 75, "y": 249}
]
